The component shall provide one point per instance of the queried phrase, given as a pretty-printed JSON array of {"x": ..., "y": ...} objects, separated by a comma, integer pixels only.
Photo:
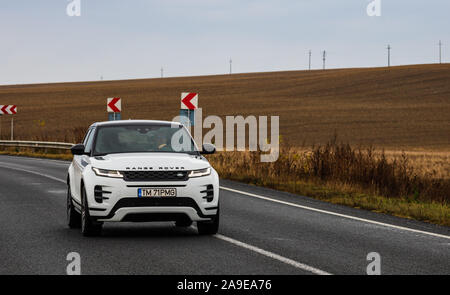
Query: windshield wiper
[{"x": 100, "y": 155}]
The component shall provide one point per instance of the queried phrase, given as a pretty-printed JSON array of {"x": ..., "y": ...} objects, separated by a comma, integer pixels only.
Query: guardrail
[{"x": 37, "y": 144}]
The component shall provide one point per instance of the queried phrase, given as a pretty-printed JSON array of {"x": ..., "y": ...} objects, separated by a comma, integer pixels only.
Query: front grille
[
  {"x": 155, "y": 175},
  {"x": 148, "y": 217},
  {"x": 155, "y": 202}
]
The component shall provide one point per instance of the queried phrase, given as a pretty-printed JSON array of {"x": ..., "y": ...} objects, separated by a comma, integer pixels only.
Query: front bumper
[{"x": 120, "y": 202}]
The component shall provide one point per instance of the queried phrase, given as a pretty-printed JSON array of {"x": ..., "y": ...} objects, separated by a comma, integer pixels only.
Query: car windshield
[{"x": 143, "y": 138}]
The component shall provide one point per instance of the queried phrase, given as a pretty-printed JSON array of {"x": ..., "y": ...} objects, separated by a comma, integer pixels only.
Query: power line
[
  {"x": 310, "y": 60},
  {"x": 324, "y": 58},
  {"x": 389, "y": 55},
  {"x": 231, "y": 66},
  {"x": 440, "y": 51}
]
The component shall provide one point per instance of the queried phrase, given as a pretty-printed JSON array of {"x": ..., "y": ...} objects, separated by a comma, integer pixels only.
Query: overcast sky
[{"x": 120, "y": 39}]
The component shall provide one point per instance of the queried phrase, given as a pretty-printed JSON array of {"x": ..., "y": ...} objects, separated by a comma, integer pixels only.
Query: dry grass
[
  {"x": 366, "y": 171},
  {"x": 431, "y": 164},
  {"x": 339, "y": 174}
]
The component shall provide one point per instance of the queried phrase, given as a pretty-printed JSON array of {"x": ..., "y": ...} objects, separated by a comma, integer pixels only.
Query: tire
[
  {"x": 73, "y": 217},
  {"x": 209, "y": 227},
  {"x": 89, "y": 227}
]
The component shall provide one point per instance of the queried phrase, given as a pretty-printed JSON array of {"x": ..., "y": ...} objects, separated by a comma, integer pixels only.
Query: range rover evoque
[{"x": 141, "y": 171}]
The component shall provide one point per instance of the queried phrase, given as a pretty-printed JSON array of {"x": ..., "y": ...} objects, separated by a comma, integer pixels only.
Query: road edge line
[
  {"x": 272, "y": 255},
  {"x": 36, "y": 173},
  {"x": 336, "y": 214}
]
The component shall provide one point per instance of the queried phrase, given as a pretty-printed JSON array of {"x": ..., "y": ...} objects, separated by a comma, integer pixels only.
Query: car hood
[{"x": 150, "y": 161}]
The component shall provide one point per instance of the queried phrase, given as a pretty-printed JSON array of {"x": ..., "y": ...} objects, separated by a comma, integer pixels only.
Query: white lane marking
[
  {"x": 31, "y": 159},
  {"x": 336, "y": 214},
  {"x": 34, "y": 172},
  {"x": 272, "y": 255},
  {"x": 269, "y": 254}
]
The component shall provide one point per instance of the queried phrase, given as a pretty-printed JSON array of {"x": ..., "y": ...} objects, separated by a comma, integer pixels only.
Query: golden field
[{"x": 397, "y": 108}]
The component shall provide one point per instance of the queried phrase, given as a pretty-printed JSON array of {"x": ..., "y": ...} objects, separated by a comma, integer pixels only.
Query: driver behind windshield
[{"x": 162, "y": 143}]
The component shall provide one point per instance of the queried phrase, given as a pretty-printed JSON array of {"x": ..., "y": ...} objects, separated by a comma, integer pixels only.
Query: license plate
[{"x": 157, "y": 192}]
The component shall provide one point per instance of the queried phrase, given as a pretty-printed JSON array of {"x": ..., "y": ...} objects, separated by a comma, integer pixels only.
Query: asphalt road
[{"x": 262, "y": 231}]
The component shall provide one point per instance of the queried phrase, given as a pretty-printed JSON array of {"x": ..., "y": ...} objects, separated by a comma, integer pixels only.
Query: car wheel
[
  {"x": 89, "y": 227},
  {"x": 73, "y": 217},
  {"x": 209, "y": 227}
]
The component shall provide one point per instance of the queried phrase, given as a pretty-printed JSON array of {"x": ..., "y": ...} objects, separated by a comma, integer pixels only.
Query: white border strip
[
  {"x": 34, "y": 172},
  {"x": 336, "y": 214},
  {"x": 273, "y": 255}
]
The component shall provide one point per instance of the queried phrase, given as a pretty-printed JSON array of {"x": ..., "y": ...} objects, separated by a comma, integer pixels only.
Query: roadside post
[
  {"x": 9, "y": 110},
  {"x": 189, "y": 103},
  {"x": 114, "y": 108}
]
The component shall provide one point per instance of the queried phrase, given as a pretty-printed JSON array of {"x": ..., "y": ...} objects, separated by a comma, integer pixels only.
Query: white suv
[{"x": 141, "y": 171}]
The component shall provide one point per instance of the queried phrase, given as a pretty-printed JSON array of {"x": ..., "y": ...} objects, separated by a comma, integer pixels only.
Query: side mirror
[
  {"x": 77, "y": 149},
  {"x": 208, "y": 149}
]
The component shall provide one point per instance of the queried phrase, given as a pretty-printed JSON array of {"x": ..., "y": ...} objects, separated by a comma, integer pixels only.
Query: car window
[
  {"x": 85, "y": 139},
  {"x": 89, "y": 141},
  {"x": 143, "y": 138}
]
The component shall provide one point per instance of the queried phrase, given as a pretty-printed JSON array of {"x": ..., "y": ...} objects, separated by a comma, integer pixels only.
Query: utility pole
[
  {"x": 309, "y": 60},
  {"x": 389, "y": 55},
  {"x": 162, "y": 72},
  {"x": 440, "y": 51},
  {"x": 231, "y": 66},
  {"x": 324, "y": 58}
]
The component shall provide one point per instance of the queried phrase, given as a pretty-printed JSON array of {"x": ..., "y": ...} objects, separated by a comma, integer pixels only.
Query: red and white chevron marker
[
  {"x": 189, "y": 101},
  {"x": 8, "y": 109},
  {"x": 114, "y": 105}
]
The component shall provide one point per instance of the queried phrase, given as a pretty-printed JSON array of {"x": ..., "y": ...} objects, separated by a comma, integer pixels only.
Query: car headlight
[
  {"x": 199, "y": 173},
  {"x": 107, "y": 173}
]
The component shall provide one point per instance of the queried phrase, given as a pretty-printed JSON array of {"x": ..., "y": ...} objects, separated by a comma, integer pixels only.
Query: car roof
[{"x": 134, "y": 122}]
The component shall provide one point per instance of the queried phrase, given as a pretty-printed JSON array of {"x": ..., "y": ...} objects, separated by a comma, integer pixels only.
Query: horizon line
[{"x": 224, "y": 74}]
